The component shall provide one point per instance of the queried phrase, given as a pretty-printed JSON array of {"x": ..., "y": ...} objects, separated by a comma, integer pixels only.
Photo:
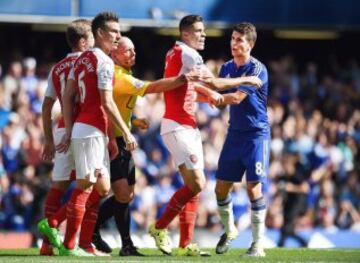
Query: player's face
[
  {"x": 111, "y": 35},
  {"x": 240, "y": 46},
  {"x": 196, "y": 36},
  {"x": 125, "y": 55}
]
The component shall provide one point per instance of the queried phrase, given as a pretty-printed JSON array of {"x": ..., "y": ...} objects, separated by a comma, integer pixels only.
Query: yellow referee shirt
[{"x": 125, "y": 91}]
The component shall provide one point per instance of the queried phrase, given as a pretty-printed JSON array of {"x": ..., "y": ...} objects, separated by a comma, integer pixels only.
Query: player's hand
[
  {"x": 64, "y": 144},
  {"x": 252, "y": 81},
  {"x": 49, "y": 151},
  {"x": 216, "y": 99},
  {"x": 113, "y": 149},
  {"x": 142, "y": 123},
  {"x": 130, "y": 142}
]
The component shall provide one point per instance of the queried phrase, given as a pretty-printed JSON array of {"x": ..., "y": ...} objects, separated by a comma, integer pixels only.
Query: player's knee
[
  {"x": 254, "y": 190},
  {"x": 198, "y": 186},
  {"x": 103, "y": 192},
  {"x": 123, "y": 199},
  {"x": 131, "y": 197},
  {"x": 220, "y": 193},
  {"x": 124, "y": 196}
]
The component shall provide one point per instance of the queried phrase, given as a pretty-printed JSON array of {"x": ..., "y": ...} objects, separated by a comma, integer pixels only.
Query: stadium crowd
[{"x": 315, "y": 121}]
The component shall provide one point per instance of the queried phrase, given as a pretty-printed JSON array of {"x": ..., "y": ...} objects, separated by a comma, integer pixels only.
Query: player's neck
[
  {"x": 102, "y": 47},
  {"x": 76, "y": 50},
  {"x": 127, "y": 68},
  {"x": 241, "y": 60}
]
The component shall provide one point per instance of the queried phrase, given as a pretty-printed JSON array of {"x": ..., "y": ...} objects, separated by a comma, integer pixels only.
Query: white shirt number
[{"x": 82, "y": 88}]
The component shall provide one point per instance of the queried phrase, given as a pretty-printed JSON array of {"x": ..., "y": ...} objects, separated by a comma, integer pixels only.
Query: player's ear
[
  {"x": 100, "y": 32},
  {"x": 251, "y": 44},
  {"x": 184, "y": 34},
  {"x": 82, "y": 42}
]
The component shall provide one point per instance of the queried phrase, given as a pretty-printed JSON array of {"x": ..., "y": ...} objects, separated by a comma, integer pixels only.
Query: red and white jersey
[
  {"x": 180, "y": 102},
  {"x": 93, "y": 71},
  {"x": 57, "y": 81}
]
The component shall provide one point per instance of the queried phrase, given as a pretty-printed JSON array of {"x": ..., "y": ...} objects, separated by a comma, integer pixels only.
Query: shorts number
[
  {"x": 258, "y": 168},
  {"x": 82, "y": 88}
]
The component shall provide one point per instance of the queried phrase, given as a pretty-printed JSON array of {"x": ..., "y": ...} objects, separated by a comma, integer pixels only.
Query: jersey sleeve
[
  {"x": 257, "y": 71},
  {"x": 105, "y": 73},
  {"x": 50, "y": 90},
  {"x": 129, "y": 85}
]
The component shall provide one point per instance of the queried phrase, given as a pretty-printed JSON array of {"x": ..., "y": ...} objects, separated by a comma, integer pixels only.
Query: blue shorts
[{"x": 244, "y": 152}]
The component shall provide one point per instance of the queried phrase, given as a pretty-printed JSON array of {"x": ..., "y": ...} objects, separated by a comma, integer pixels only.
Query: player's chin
[{"x": 201, "y": 46}]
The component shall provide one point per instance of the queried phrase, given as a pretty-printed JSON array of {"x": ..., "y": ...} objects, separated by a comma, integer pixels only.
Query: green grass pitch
[{"x": 233, "y": 255}]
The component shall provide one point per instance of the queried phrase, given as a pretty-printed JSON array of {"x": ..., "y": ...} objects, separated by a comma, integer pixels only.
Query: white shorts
[
  {"x": 185, "y": 147},
  {"x": 63, "y": 162},
  {"x": 91, "y": 154}
]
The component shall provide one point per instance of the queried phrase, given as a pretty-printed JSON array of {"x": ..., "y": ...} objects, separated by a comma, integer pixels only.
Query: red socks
[
  {"x": 52, "y": 204},
  {"x": 187, "y": 221},
  {"x": 89, "y": 221},
  {"x": 59, "y": 217},
  {"x": 175, "y": 205},
  {"x": 74, "y": 214}
]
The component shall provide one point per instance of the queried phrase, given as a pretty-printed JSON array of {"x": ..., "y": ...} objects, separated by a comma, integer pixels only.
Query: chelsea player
[{"x": 246, "y": 148}]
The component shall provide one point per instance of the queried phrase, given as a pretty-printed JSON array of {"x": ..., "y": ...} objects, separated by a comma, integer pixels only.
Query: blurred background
[{"x": 311, "y": 50}]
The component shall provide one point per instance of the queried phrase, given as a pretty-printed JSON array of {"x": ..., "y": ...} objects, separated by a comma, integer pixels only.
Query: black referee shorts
[{"x": 123, "y": 165}]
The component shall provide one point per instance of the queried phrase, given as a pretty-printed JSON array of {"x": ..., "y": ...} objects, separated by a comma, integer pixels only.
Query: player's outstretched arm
[
  {"x": 204, "y": 94},
  {"x": 115, "y": 117},
  {"x": 233, "y": 98},
  {"x": 68, "y": 106},
  {"x": 228, "y": 83},
  {"x": 49, "y": 147},
  {"x": 166, "y": 84}
]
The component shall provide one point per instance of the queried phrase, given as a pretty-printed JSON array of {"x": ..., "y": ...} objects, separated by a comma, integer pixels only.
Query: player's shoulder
[
  {"x": 187, "y": 50},
  {"x": 101, "y": 55},
  {"x": 257, "y": 64},
  {"x": 228, "y": 64},
  {"x": 121, "y": 72},
  {"x": 66, "y": 63},
  {"x": 226, "y": 67}
]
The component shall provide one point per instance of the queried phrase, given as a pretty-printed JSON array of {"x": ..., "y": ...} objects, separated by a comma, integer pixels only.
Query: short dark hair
[
  {"x": 100, "y": 20},
  {"x": 247, "y": 29},
  {"x": 187, "y": 21},
  {"x": 76, "y": 30}
]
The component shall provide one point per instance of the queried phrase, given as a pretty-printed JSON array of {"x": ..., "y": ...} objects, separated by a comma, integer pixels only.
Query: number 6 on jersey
[{"x": 82, "y": 88}]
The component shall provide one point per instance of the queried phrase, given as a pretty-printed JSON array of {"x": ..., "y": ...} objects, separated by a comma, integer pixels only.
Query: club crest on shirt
[
  {"x": 138, "y": 84},
  {"x": 193, "y": 158}
]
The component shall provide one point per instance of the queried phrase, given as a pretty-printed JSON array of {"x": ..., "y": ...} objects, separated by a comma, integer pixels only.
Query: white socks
[
  {"x": 258, "y": 215},
  {"x": 225, "y": 208}
]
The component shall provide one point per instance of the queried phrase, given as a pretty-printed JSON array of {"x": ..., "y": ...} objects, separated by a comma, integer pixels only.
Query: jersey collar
[
  {"x": 122, "y": 69},
  {"x": 242, "y": 66},
  {"x": 74, "y": 54}
]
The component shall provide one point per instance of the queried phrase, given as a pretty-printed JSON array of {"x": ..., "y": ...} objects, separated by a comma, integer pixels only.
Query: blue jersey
[{"x": 251, "y": 114}]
